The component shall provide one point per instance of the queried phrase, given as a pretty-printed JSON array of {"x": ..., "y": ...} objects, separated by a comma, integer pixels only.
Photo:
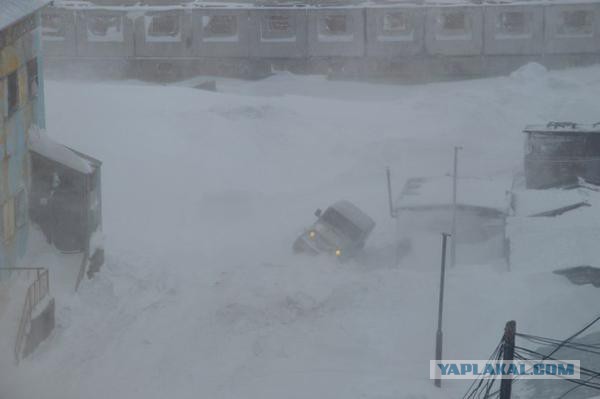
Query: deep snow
[{"x": 204, "y": 194}]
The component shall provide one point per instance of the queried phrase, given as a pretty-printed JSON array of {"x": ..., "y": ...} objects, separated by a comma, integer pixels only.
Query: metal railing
[{"x": 36, "y": 292}]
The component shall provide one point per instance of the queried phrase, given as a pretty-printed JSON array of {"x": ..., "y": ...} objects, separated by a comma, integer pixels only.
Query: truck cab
[{"x": 341, "y": 231}]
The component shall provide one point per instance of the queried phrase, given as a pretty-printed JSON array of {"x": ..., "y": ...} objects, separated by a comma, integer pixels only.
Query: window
[
  {"x": 32, "y": 78},
  {"x": 105, "y": 28},
  {"x": 454, "y": 25},
  {"x": 12, "y": 87},
  {"x": 277, "y": 24},
  {"x": 8, "y": 219},
  {"x": 454, "y": 21},
  {"x": 2, "y": 103},
  {"x": 21, "y": 212},
  {"x": 578, "y": 22},
  {"x": 335, "y": 25},
  {"x": 164, "y": 25},
  {"x": 513, "y": 23},
  {"x": 220, "y": 25},
  {"x": 396, "y": 22},
  {"x": 53, "y": 26},
  {"x": 278, "y": 27}
]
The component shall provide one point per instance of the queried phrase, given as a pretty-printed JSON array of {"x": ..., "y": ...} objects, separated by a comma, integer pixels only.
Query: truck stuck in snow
[{"x": 341, "y": 230}]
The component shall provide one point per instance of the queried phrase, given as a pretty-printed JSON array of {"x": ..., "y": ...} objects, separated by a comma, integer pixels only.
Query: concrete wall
[
  {"x": 95, "y": 41},
  {"x": 280, "y": 33},
  {"x": 560, "y": 38},
  {"x": 384, "y": 33},
  {"x": 504, "y": 33},
  {"x": 149, "y": 42},
  {"x": 442, "y": 39},
  {"x": 211, "y": 41},
  {"x": 395, "y": 31},
  {"x": 58, "y": 31},
  {"x": 325, "y": 41}
]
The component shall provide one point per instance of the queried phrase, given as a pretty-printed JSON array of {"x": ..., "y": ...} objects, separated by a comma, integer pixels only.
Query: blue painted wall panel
[{"x": 14, "y": 129}]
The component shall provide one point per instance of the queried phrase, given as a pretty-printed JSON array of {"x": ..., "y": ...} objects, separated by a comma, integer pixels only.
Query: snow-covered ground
[{"x": 203, "y": 195}]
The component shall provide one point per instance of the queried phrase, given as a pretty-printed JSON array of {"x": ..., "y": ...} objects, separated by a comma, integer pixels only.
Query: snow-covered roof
[
  {"x": 563, "y": 127},
  {"x": 12, "y": 11},
  {"x": 532, "y": 202},
  {"x": 425, "y": 192},
  {"x": 40, "y": 143}
]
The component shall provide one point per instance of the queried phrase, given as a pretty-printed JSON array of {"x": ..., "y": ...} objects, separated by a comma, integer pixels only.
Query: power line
[{"x": 566, "y": 343}]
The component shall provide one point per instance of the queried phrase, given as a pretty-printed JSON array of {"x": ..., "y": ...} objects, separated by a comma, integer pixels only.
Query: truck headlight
[
  {"x": 312, "y": 234},
  {"x": 338, "y": 252}
]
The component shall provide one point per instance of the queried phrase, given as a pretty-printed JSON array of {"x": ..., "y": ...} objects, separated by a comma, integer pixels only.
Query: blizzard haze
[{"x": 204, "y": 194}]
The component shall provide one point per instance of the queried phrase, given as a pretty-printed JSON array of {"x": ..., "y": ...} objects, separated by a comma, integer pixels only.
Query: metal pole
[
  {"x": 389, "y": 189},
  {"x": 509, "y": 354},
  {"x": 454, "y": 208},
  {"x": 439, "y": 335}
]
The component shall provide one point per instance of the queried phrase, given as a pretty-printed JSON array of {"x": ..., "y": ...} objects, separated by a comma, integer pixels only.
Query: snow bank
[
  {"x": 530, "y": 71},
  {"x": 204, "y": 194}
]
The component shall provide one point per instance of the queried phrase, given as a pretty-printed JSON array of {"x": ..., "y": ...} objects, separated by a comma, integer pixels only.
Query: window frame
[
  {"x": 331, "y": 20},
  {"x": 12, "y": 93},
  {"x": 158, "y": 20},
  {"x": 9, "y": 227},
  {"x": 509, "y": 30},
  {"x": 32, "y": 67},
  {"x": 232, "y": 22},
  {"x": 21, "y": 209},
  {"x": 389, "y": 18},
  {"x": 567, "y": 28}
]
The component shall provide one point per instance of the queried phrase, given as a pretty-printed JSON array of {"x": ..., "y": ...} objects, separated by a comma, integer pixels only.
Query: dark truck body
[{"x": 341, "y": 230}]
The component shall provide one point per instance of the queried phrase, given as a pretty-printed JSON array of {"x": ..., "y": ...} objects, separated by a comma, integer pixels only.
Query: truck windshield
[{"x": 341, "y": 223}]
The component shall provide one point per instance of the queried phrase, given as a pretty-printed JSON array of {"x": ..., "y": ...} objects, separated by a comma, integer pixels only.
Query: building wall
[{"x": 20, "y": 110}]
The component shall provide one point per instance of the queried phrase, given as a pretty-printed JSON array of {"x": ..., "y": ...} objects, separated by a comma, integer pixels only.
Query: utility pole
[
  {"x": 509, "y": 354},
  {"x": 388, "y": 175},
  {"x": 454, "y": 207},
  {"x": 439, "y": 335}
]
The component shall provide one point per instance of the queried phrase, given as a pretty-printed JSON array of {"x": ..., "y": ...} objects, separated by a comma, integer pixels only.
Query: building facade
[{"x": 21, "y": 109}]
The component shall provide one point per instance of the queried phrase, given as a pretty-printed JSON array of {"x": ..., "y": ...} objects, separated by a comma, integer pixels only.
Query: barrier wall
[
  {"x": 164, "y": 34},
  {"x": 222, "y": 33},
  {"x": 336, "y": 32},
  {"x": 104, "y": 33},
  {"x": 454, "y": 30},
  {"x": 295, "y": 33},
  {"x": 395, "y": 32},
  {"x": 514, "y": 30},
  {"x": 280, "y": 33},
  {"x": 573, "y": 28},
  {"x": 59, "y": 32}
]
